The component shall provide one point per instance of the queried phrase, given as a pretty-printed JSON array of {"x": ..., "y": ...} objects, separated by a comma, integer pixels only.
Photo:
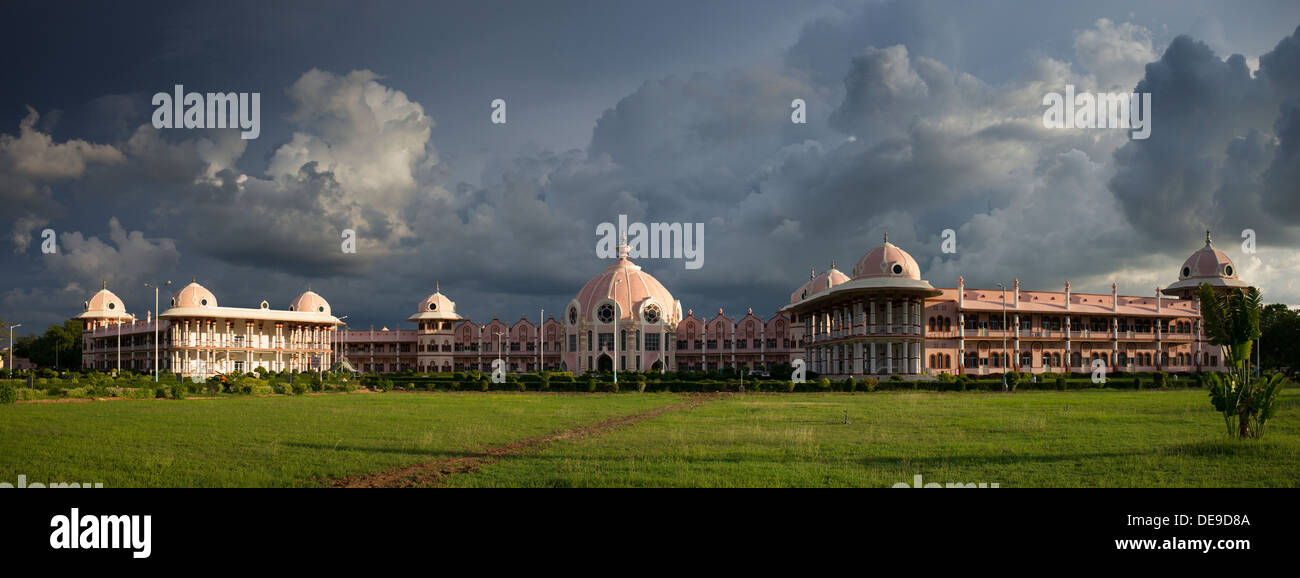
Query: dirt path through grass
[{"x": 431, "y": 473}]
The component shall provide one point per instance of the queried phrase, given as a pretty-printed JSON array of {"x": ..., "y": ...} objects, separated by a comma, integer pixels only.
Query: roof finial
[
  {"x": 886, "y": 236},
  {"x": 832, "y": 263},
  {"x": 1207, "y": 237},
  {"x": 106, "y": 283},
  {"x": 436, "y": 287},
  {"x": 812, "y": 272},
  {"x": 622, "y": 245}
]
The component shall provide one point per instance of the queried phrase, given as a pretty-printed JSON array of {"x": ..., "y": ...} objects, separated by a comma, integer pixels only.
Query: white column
[
  {"x": 873, "y": 357},
  {"x": 889, "y": 357}
]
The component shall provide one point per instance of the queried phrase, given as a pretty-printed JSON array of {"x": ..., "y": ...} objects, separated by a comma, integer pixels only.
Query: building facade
[
  {"x": 882, "y": 319},
  {"x": 886, "y": 320}
]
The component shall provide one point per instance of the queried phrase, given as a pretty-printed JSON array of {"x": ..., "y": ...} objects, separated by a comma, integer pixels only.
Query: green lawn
[
  {"x": 276, "y": 441},
  {"x": 1088, "y": 438},
  {"x": 1078, "y": 438}
]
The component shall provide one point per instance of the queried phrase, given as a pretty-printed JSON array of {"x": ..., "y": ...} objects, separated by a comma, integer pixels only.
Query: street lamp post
[
  {"x": 343, "y": 357},
  {"x": 11, "y": 347},
  {"x": 1004, "y": 336},
  {"x": 155, "y": 327},
  {"x": 541, "y": 322},
  {"x": 502, "y": 364}
]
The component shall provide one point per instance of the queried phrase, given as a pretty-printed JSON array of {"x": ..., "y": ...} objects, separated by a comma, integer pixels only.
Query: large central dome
[{"x": 623, "y": 289}]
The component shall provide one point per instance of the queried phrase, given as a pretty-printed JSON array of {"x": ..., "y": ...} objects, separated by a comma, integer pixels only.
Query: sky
[{"x": 922, "y": 117}]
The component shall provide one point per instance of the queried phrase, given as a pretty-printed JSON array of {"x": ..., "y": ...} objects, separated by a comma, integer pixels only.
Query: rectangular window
[
  {"x": 652, "y": 342},
  {"x": 573, "y": 342},
  {"x": 606, "y": 341}
]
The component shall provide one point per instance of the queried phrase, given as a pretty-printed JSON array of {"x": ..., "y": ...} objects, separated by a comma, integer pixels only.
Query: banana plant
[{"x": 1231, "y": 321}]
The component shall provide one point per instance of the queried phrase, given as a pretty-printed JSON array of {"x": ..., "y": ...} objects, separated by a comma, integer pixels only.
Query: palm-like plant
[{"x": 1232, "y": 322}]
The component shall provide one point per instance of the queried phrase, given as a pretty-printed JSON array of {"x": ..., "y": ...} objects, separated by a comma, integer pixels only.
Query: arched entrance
[
  {"x": 657, "y": 366},
  {"x": 604, "y": 363}
]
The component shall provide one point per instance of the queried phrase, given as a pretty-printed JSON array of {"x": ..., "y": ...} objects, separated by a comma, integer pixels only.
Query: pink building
[
  {"x": 883, "y": 319},
  {"x": 886, "y": 320}
]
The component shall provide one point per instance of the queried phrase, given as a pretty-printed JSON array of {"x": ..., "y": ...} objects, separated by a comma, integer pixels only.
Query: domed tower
[
  {"x": 436, "y": 321},
  {"x": 1206, "y": 265},
  {"x": 818, "y": 283},
  {"x": 103, "y": 309},
  {"x": 870, "y": 324},
  {"x": 310, "y": 302},
  {"x": 193, "y": 296},
  {"x": 622, "y": 313}
]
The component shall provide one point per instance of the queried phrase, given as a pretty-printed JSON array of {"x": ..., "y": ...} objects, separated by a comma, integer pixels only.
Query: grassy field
[
  {"x": 275, "y": 441},
  {"x": 1042, "y": 439},
  {"x": 1084, "y": 438}
]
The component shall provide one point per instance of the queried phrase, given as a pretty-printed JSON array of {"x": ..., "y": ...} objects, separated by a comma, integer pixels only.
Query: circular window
[
  {"x": 112, "y": 305},
  {"x": 265, "y": 305},
  {"x": 86, "y": 304},
  {"x": 1187, "y": 271},
  {"x": 203, "y": 302},
  {"x": 898, "y": 269},
  {"x": 173, "y": 301},
  {"x": 433, "y": 306},
  {"x": 321, "y": 308},
  {"x": 606, "y": 313},
  {"x": 573, "y": 315},
  {"x": 652, "y": 314},
  {"x": 1227, "y": 270},
  {"x": 291, "y": 308}
]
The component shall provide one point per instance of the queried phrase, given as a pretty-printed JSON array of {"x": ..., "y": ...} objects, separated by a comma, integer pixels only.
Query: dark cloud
[
  {"x": 922, "y": 116},
  {"x": 1206, "y": 164}
]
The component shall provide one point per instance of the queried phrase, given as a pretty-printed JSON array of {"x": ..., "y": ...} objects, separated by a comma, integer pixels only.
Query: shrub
[
  {"x": 1013, "y": 379},
  {"x": 1161, "y": 379},
  {"x": 298, "y": 388},
  {"x": 1137, "y": 383},
  {"x": 611, "y": 387},
  {"x": 1060, "y": 383},
  {"x": 521, "y": 386},
  {"x": 160, "y": 393},
  {"x": 8, "y": 393},
  {"x": 384, "y": 384},
  {"x": 895, "y": 377},
  {"x": 178, "y": 391},
  {"x": 591, "y": 385},
  {"x": 850, "y": 385}
]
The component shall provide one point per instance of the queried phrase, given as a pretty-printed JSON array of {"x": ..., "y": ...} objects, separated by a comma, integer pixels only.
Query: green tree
[
  {"x": 1232, "y": 322},
  {"x": 1279, "y": 342}
]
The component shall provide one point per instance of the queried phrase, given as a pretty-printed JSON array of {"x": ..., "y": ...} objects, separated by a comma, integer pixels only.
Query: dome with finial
[
  {"x": 819, "y": 282},
  {"x": 104, "y": 305},
  {"x": 194, "y": 295},
  {"x": 625, "y": 291},
  {"x": 1205, "y": 265},
  {"x": 310, "y": 301},
  {"x": 436, "y": 306},
  {"x": 887, "y": 260}
]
